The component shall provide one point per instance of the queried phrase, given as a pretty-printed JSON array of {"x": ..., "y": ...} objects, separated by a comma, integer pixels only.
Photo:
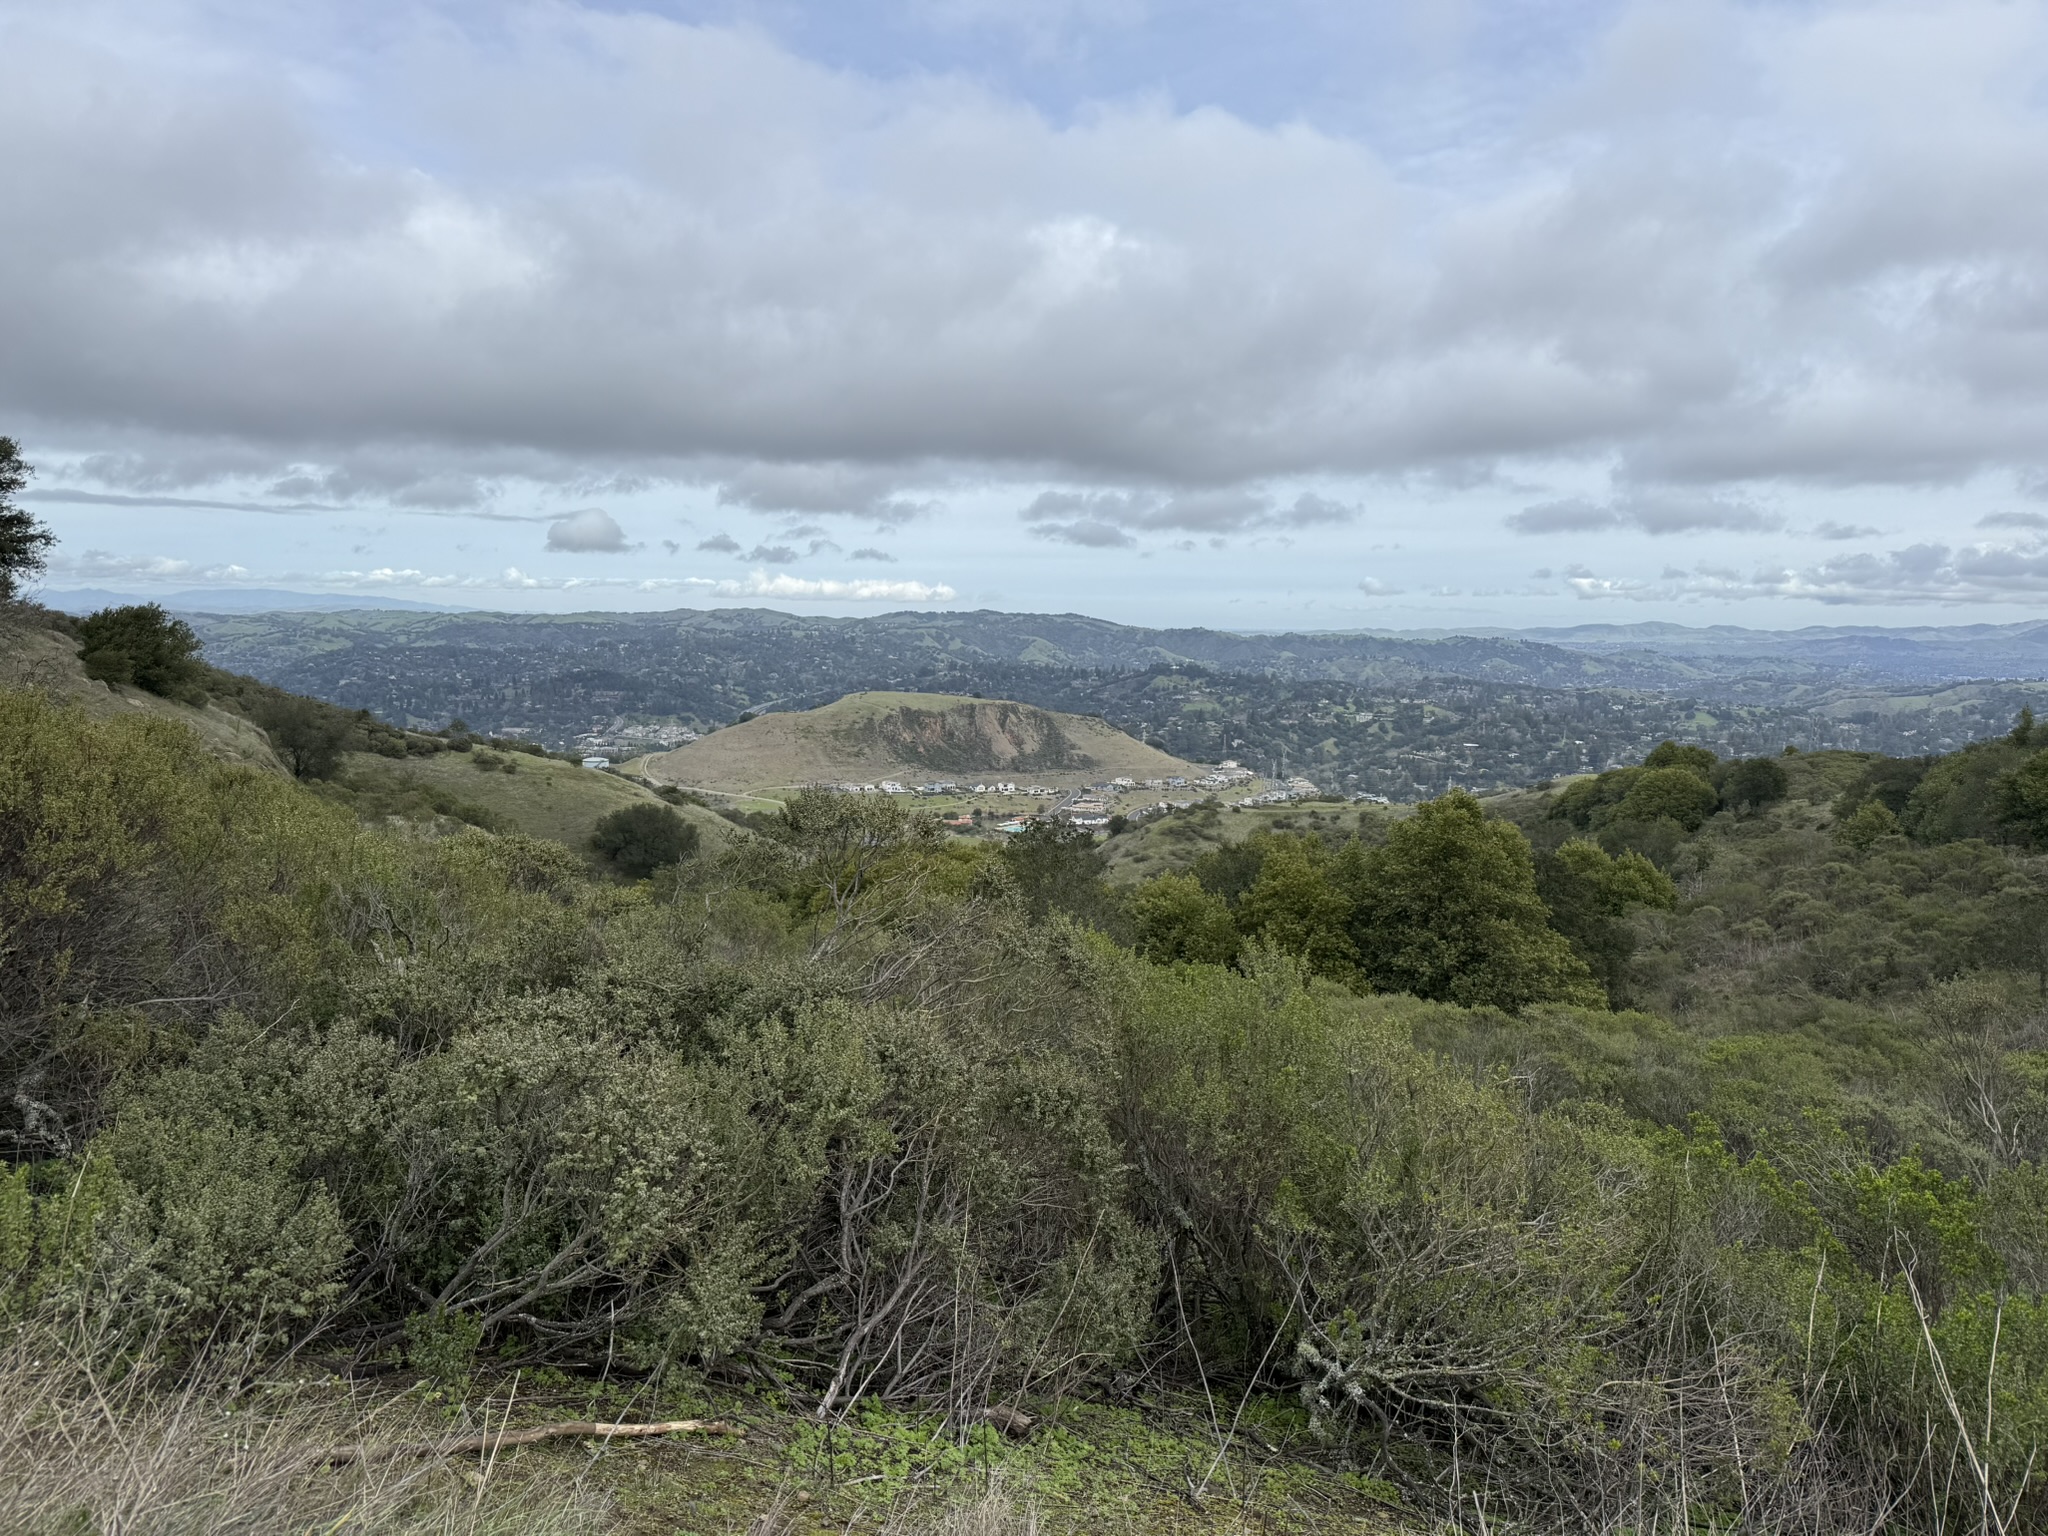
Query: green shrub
[
  {"x": 140, "y": 645},
  {"x": 639, "y": 839}
]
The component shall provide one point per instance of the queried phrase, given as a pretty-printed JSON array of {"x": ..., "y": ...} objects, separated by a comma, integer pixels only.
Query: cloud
[
  {"x": 1657, "y": 515},
  {"x": 591, "y": 531},
  {"x": 1831, "y": 529},
  {"x": 1107, "y": 519},
  {"x": 871, "y": 553},
  {"x": 720, "y": 544},
  {"x": 100, "y": 565},
  {"x": 1927, "y": 573},
  {"x": 2013, "y": 520},
  {"x": 672, "y": 546},
  {"x": 773, "y": 554},
  {"x": 761, "y": 584},
  {"x": 821, "y": 489},
  {"x": 1372, "y": 586},
  {"x": 104, "y": 565},
  {"x": 609, "y": 247},
  {"x": 70, "y": 496},
  {"x": 1086, "y": 533}
]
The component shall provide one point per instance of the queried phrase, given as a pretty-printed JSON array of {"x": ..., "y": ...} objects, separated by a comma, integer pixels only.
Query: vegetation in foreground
[{"x": 1663, "y": 1151}]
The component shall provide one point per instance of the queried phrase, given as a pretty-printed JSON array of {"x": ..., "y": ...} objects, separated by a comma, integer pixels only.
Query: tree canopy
[
  {"x": 24, "y": 541},
  {"x": 636, "y": 840},
  {"x": 140, "y": 645}
]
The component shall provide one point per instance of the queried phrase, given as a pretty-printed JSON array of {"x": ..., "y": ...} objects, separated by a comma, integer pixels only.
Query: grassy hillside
[
  {"x": 911, "y": 737},
  {"x": 513, "y": 791},
  {"x": 540, "y": 796}
]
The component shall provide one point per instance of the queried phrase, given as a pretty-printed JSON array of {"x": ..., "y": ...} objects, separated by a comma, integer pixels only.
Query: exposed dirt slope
[{"x": 911, "y": 737}]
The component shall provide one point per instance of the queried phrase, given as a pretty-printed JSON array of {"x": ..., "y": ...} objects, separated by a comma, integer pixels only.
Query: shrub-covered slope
[{"x": 854, "y": 1125}]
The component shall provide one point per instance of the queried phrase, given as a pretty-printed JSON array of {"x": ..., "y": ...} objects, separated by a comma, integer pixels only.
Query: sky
[{"x": 1309, "y": 314}]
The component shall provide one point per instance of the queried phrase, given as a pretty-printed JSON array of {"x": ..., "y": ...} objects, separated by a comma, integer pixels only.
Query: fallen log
[{"x": 575, "y": 1429}]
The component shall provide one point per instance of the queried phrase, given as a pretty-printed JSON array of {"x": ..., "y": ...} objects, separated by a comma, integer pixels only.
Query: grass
[
  {"x": 98, "y": 1440},
  {"x": 95, "y": 1442},
  {"x": 543, "y": 797}
]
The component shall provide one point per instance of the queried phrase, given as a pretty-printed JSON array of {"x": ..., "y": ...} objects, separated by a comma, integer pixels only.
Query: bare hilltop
[{"x": 911, "y": 738}]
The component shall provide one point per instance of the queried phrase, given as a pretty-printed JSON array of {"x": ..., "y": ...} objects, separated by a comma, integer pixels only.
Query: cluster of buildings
[
  {"x": 944, "y": 787},
  {"x": 618, "y": 736},
  {"x": 1296, "y": 788}
]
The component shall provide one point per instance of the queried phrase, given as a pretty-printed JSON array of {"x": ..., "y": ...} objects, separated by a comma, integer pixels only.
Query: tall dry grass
[
  {"x": 93, "y": 1446},
  {"x": 992, "y": 1512}
]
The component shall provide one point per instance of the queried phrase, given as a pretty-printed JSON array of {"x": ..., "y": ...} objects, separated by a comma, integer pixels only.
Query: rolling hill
[
  {"x": 540, "y": 796},
  {"x": 911, "y": 737},
  {"x": 543, "y": 797}
]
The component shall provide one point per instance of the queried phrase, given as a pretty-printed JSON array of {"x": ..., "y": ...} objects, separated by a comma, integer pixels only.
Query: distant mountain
[
  {"x": 234, "y": 600},
  {"x": 824, "y": 655},
  {"x": 1398, "y": 715},
  {"x": 1918, "y": 653}
]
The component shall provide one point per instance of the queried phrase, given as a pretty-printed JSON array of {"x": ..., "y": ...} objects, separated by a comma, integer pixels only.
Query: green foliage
[
  {"x": 1448, "y": 909},
  {"x": 307, "y": 735},
  {"x": 860, "y": 1113},
  {"x": 215, "y": 1234},
  {"x": 24, "y": 541},
  {"x": 1753, "y": 783},
  {"x": 1958, "y": 797},
  {"x": 142, "y": 887},
  {"x": 1589, "y": 896},
  {"x": 639, "y": 839},
  {"x": 1176, "y": 919},
  {"x": 1872, "y": 822},
  {"x": 1303, "y": 904},
  {"x": 140, "y": 645},
  {"x": 2020, "y": 799},
  {"x": 1698, "y": 761},
  {"x": 1058, "y": 868},
  {"x": 1669, "y": 794},
  {"x": 1888, "y": 780}
]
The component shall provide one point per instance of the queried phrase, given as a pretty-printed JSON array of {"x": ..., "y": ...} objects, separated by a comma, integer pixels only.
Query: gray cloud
[
  {"x": 1086, "y": 532},
  {"x": 828, "y": 489},
  {"x": 772, "y": 554},
  {"x": 591, "y": 531},
  {"x": 720, "y": 544},
  {"x": 1915, "y": 574},
  {"x": 1657, "y": 515},
  {"x": 1090, "y": 517},
  {"x": 1831, "y": 529},
  {"x": 637, "y": 250},
  {"x": 2013, "y": 520},
  {"x": 871, "y": 553}
]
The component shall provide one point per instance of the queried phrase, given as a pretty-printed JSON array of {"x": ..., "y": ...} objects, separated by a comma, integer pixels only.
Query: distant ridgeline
[{"x": 1402, "y": 717}]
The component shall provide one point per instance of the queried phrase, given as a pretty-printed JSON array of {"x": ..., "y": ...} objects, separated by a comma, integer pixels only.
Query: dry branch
[{"x": 574, "y": 1429}]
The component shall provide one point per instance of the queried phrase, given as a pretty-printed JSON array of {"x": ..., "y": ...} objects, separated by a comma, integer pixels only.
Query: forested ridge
[{"x": 1656, "y": 1147}]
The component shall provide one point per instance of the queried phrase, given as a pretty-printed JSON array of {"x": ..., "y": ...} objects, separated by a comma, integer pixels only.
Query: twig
[{"x": 576, "y": 1429}]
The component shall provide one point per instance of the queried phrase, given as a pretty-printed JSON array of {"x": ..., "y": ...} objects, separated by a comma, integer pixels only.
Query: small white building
[{"x": 602, "y": 764}]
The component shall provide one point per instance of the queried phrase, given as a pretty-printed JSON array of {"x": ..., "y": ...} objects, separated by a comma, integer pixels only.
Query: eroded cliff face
[{"x": 986, "y": 735}]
